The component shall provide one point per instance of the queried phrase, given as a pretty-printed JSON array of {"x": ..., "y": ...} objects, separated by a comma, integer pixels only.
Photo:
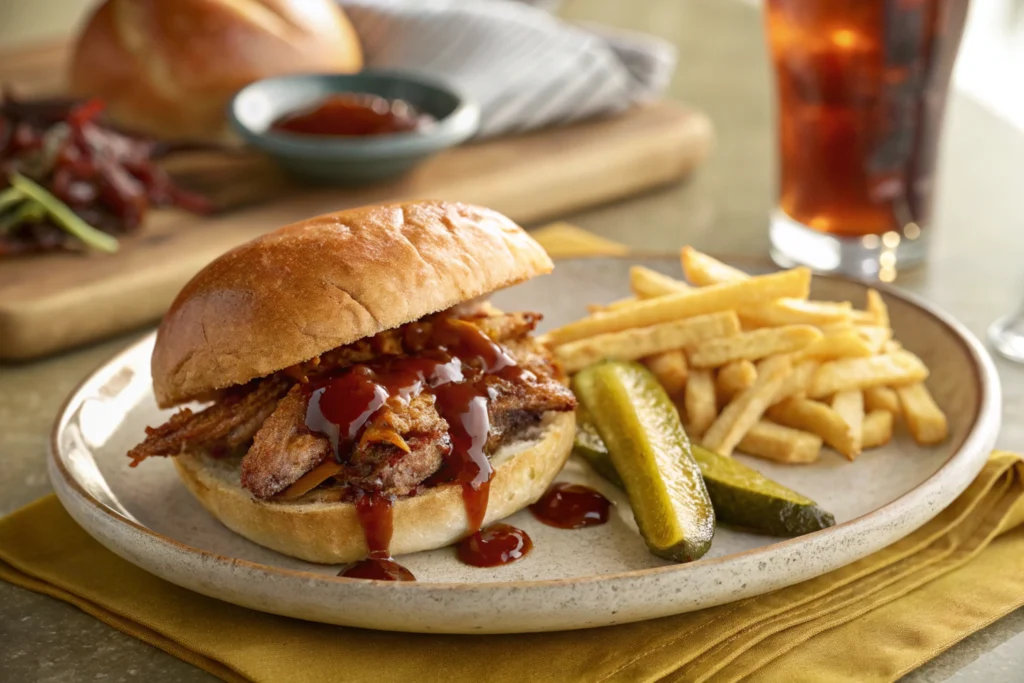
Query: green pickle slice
[
  {"x": 640, "y": 427},
  {"x": 588, "y": 445},
  {"x": 744, "y": 497},
  {"x": 741, "y": 495}
]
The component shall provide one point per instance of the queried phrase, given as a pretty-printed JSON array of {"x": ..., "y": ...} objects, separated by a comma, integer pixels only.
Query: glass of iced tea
[{"x": 861, "y": 91}]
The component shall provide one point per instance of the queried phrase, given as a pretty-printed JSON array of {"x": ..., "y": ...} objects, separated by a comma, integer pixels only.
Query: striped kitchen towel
[{"x": 526, "y": 68}]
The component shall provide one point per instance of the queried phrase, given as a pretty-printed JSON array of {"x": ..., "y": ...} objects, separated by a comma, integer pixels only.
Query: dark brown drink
[{"x": 862, "y": 87}]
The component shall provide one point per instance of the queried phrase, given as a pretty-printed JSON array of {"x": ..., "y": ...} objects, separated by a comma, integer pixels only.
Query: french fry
[
  {"x": 877, "y": 308},
  {"x": 877, "y": 429},
  {"x": 732, "y": 378},
  {"x": 639, "y": 342},
  {"x": 754, "y": 345},
  {"x": 925, "y": 420},
  {"x": 744, "y": 411},
  {"x": 754, "y": 291},
  {"x": 795, "y": 384},
  {"x": 838, "y": 327},
  {"x": 781, "y": 444},
  {"x": 839, "y": 345},
  {"x": 703, "y": 270},
  {"x": 647, "y": 283},
  {"x": 795, "y": 312},
  {"x": 817, "y": 418},
  {"x": 897, "y": 368},
  {"x": 850, "y": 406},
  {"x": 699, "y": 402},
  {"x": 876, "y": 337},
  {"x": 618, "y": 303},
  {"x": 859, "y": 317},
  {"x": 671, "y": 369},
  {"x": 790, "y": 374},
  {"x": 881, "y": 398}
]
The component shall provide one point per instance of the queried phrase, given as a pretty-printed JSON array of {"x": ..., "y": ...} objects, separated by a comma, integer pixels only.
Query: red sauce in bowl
[{"x": 353, "y": 115}]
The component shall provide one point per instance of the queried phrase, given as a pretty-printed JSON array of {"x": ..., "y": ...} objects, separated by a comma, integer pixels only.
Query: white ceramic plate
[{"x": 572, "y": 579}]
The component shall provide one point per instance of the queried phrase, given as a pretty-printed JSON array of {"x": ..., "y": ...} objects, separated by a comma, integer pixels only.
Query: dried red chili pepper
[{"x": 109, "y": 178}]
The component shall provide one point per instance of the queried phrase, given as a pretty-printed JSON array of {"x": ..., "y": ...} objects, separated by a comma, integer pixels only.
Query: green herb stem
[
  {"x": 63, "y": 215},
  {"x": 10, "y": 197},
  {"x": 29, "y": 211}
]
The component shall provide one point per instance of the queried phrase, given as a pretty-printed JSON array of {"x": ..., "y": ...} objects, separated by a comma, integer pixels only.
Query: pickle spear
[
  {"x": 588, "y": 445},
  {"x": 640, "y": 427},
  {"x": 740, "y": 495},
  {"x": 744, "y": 497}
]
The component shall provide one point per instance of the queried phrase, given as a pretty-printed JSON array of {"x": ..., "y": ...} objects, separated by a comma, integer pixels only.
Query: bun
[
  {"x": 330, "y": 533},
  {"x": 169, "y": 68},
  {"x": 309, "y": 287}
]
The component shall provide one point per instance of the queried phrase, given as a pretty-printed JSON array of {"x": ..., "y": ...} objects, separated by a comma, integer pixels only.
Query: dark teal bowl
[{"x": 337, "y": 160}]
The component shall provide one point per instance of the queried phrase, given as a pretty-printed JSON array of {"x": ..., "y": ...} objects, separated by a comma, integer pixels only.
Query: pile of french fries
[{"x": 753, "y": 365}]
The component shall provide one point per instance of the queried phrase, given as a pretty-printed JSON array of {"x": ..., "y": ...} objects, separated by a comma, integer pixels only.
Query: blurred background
[
  {"x": 723, "y": 74},
  {"x": 991, "y": 55},
  {"x": 724, "y": 70}
]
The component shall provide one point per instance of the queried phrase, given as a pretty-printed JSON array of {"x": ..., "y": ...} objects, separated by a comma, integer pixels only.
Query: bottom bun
[{"x": 330, "y": 533}]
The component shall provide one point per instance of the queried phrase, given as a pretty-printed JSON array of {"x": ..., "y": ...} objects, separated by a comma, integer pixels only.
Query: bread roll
[
  {"x": 329, "y": 532},
  {"x": 312, "y": 286},
  {"x": 169, "y": 68}
]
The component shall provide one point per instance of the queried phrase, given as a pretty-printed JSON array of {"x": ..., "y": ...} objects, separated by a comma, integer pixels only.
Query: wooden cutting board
[{"x": 55, "y": 301}]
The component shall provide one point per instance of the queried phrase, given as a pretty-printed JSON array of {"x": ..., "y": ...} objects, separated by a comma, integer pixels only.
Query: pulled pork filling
[{"x": 387, "y": 414}]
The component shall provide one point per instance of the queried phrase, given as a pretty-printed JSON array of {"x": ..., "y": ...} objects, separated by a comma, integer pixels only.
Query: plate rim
[{"x": 985, "y": 428}]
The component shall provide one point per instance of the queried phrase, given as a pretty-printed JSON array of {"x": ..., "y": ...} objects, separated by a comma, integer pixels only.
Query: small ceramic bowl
[{"x": 338, "y": 160}]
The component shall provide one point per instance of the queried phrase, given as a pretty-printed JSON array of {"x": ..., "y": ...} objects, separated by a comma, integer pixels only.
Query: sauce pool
[
  {"x": 376, "y": 518},
  {"x": 493, "y": 546},
  {"x": 354, "y": 115},
  {"x": 571, "y": 506},
  {"x": 379, "y": 569}
]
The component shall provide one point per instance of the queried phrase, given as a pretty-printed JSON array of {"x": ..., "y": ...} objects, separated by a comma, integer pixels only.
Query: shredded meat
[
  {"x": 516, "y": 406},
  {"x": 502, "y": 328},
  {"x": 507, "y": 326},
  {"x": 395, "y": 456},
  {"x": 381, "y": 466},
  {"x": 283, "y": 449},
  {"x": 225, "y": 428},
  {"x": 385, "y": 468}
]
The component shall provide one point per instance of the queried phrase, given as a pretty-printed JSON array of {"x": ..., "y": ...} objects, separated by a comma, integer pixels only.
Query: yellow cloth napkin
[{"x": 873, "y": 620}]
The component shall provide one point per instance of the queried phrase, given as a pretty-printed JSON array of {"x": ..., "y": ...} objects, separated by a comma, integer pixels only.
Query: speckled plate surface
[{"x": 572, "y": 579}]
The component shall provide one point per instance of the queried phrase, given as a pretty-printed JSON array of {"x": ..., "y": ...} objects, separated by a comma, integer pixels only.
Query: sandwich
[{"x": 359, "y": 393}]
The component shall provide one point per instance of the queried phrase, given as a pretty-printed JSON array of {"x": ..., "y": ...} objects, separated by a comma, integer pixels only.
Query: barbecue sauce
[
  {"x": 493, "y": 546},
  {"x": 353, "y": 114},
  {"x": 453, "y": 359},
  {"x": 375, "y": 516},
  {"x": 571, "y": 506},
  {"x": 379, "y": 569}
]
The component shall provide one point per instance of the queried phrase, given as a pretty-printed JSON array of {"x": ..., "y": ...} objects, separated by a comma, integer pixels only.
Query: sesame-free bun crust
[
  {"x": 330, "y": 533},
  {"x": 309, "y": 287}
]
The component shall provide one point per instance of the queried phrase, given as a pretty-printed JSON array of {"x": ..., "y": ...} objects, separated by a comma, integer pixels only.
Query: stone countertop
[{"x": 975, "y": 272}]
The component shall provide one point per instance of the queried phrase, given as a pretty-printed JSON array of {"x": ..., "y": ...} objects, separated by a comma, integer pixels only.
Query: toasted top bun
[
  {"x": 309, "y": 287},
  {"x": 330, "y": 532},
  {"x": 169, "y": 67}
]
